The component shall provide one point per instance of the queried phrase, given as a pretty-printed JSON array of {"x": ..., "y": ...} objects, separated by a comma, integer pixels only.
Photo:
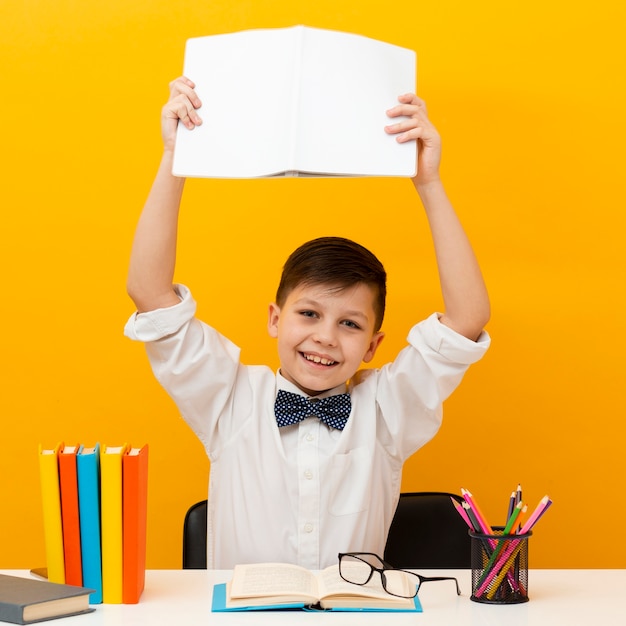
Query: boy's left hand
[{"x": 417, "y": 127}]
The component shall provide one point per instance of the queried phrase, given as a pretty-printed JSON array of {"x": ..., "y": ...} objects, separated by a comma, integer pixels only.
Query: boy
[{"x": 285, "y": 485}]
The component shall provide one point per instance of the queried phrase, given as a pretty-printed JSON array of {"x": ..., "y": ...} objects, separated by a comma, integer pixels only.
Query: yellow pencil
[{"x": 493, "y": 587}]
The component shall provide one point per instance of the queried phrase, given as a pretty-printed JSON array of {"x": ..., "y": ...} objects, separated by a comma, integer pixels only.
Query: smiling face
[{"x": 324, "y": 334}]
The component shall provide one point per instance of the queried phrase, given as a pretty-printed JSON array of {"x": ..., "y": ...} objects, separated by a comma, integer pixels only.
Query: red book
[
  {"x": 134, "y": 518},
  {"x": 68, "y": 482}
]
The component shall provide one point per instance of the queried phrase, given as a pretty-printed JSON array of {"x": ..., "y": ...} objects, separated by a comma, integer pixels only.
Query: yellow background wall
[{"x": 530, "y": 100}]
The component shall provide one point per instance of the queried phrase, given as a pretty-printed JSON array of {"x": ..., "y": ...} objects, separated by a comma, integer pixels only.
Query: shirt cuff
[
  {"x": 154, "y": 325},
  {"x": 447, "y": 342}
]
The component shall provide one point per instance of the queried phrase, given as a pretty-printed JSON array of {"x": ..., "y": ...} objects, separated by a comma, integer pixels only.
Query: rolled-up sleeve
[
  {"x": 154, "y": 325},
  {"x": 446, "y": 353},
  {"x": 196, "y": 365},
  {"x": 412, "y": 389},
  {"x": 446, "y": 342}
]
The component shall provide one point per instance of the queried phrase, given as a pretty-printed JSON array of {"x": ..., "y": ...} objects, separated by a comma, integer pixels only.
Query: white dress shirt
[{"x": 302, "y": 493}]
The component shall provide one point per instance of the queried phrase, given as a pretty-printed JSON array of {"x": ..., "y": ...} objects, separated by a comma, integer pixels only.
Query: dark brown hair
[{"x": 337, "y": 262}]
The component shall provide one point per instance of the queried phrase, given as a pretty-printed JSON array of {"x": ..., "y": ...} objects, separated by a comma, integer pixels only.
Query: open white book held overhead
[{"x": 295, "y": 101}]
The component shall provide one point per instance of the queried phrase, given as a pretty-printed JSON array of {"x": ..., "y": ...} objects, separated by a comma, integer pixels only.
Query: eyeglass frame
[{"x": 387, "y": 567}]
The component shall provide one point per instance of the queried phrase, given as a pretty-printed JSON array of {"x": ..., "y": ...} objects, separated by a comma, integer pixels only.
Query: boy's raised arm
[
  {"x": 153, "y": 256},
  {"x": 465, "y": 297}
]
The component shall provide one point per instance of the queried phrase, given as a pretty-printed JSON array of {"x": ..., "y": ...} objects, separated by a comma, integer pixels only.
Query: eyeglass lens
[
  {"x": 358, "y": 569},
  {"x": 397, "y": 583}
]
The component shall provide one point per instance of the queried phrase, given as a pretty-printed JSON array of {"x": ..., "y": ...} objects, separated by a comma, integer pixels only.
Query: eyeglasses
[{"x": 358, "y": 568}]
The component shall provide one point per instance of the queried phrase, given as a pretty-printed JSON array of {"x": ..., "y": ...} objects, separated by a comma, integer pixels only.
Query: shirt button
[
  {"x": 308, "y": 474},
  {"x": 309, "y": 437},
  {"x": 308, "y": 528}
]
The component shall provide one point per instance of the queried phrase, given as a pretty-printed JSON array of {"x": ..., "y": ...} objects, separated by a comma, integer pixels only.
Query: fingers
[
  {"x": 181, "y": 108},
  {"x": 410, "y": 105},
  {"x": 414, "y": 123},
  {"x": 183, "y": 103},
  {"x": 185, "y": 86},
  {"x": 412, "y": 99}
]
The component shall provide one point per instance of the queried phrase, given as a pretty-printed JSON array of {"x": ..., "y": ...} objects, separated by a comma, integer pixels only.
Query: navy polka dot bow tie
[{"x": 291, "y": 408}]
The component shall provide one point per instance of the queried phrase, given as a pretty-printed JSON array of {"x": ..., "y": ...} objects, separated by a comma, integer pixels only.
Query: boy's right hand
[{"x": 182, "y": 105}]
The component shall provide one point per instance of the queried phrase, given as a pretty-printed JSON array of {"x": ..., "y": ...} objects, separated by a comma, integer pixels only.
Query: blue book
[
  {"x": 280, "y": 586},
  {"x": 88, "y": 468}
]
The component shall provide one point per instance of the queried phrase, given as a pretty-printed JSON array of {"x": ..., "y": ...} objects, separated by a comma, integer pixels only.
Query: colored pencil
[
  {"x": 461, "y": 512},
  {"x": 518, "y": 521},
  {"x": 535, "y": 515},
  {"x": 484, "y": 525},
  {"x": 512, "y": 518},
  {"x": 512, "y": 504},
  {"x": 507, "y": 556},
  {"x": 500, "y": 554},
  {"x": 501, "y": 543},
  {"x": 545, "y": 508},
  {"x": 503, "y": 571},
  {"x": 472, "y": 516},
  {"x": 490, "y": 574}
]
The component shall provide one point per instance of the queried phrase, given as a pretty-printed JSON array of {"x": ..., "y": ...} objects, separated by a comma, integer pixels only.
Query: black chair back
[
  {"x": 194, "y": 537},
  {"x": 428, "y": 533}
]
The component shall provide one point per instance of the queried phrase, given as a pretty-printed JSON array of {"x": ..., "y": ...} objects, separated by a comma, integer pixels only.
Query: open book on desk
[
  {"x": 272, "y": 586},
  {"x": 295, "y": 101}
]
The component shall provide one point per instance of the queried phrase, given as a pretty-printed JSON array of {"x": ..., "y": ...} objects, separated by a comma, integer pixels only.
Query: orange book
[
  {"x": 68, "y": 480},
  {"x": 111, "y": 512},
  {"x": 135, "y": 509},
  {"x": 51, "y": 504}
]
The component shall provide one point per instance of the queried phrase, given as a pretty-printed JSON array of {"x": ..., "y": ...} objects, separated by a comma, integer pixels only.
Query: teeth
[{"x": 317, "y": 359}]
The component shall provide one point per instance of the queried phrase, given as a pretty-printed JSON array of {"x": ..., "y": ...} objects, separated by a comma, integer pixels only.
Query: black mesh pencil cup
[{"x": 499, "y": 567}]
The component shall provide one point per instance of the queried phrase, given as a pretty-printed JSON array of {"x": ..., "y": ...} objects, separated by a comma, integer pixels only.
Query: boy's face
[{"x": 324, "y": 334}]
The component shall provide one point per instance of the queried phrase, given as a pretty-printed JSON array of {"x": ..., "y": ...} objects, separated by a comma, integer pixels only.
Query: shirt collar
[{"x": 285, "y": 385}]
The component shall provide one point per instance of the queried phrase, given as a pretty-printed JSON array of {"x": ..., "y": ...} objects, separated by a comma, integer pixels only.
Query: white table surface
[{"x": 557, "y": 597}]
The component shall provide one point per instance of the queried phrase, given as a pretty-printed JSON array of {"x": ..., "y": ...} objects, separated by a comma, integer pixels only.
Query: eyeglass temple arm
[{"x": 427, "y": 579}]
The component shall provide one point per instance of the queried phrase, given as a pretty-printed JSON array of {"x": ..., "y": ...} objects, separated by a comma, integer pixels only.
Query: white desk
[{"x": 557, "y": 597}]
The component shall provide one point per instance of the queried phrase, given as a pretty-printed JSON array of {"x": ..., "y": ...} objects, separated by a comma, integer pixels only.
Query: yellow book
[
  {"x": 111, "y": 511},
  {"x": 51, "y": 504}
]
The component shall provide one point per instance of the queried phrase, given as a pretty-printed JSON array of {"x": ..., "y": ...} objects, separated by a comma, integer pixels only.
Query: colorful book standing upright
[
  {"x": 70, "y": 515},
  {"x": 135, "y": 501},
  {"x": 51, "y": 504},
  {"x": 112, "y": 535},
  {"x": 88, "y": 465}
]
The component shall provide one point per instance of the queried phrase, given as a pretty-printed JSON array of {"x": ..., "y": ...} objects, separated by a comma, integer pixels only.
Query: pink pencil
[
  {"x": 462, "y": 513},
  {"x": 484, "y": 525},
  {"x": 545, "y": 508},
  {"x": 544, "y": 503}
]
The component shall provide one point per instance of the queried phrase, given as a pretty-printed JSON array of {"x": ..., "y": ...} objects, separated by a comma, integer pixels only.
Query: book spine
[
  {"x": 135, "y": 502},
  {"x": 296, "y": 96},
  {"x": 11, "y": 613},
  {"x": 88, "y": 466},
  {"x": 70, "y": 516},
  {"x": 52, "y": 521},
  {"x": 112, "y": 537}
]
